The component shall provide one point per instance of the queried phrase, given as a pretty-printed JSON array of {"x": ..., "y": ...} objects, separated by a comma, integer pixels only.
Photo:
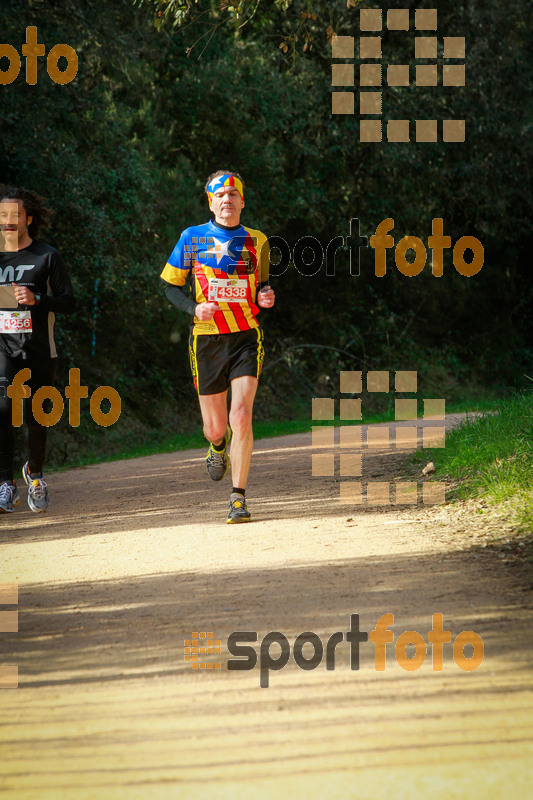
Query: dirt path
[{"x": 134, "y": 556}]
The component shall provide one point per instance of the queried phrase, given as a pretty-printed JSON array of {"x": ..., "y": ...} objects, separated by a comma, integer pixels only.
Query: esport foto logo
[{"x": 275, "y": 649}]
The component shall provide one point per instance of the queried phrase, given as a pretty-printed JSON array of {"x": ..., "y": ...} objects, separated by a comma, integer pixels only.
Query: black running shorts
[{"x": 216, "y": 359}]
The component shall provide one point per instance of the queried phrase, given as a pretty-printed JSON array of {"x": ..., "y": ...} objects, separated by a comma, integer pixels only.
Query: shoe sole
[
  {"x": 38, "y": 510},
  {"x": 25, "y": 474},
  {"x": 230, "y": 521}
]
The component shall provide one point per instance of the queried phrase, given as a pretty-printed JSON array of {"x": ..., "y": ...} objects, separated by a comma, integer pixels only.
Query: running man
[
  {"x": 228, "y": 266},
  {"x": 34, "y": 285}
]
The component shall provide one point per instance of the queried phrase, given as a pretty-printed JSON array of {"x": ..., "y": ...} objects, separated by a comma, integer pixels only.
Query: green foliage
[
  {"x": 492, "y": 455},
  {"x": 169, "y": 91}
]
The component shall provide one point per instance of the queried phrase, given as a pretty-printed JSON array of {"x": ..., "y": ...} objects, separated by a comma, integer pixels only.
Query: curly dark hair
[
  {"x": 223, "y": 172},
  {"x": 34, "y": 205}
]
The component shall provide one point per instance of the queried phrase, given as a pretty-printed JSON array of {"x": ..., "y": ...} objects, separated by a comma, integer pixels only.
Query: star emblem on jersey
[{"x": 220, "y": 251}]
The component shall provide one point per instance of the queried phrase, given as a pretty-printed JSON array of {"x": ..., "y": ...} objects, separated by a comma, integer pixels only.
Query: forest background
[{"x": 167, "y": 92}]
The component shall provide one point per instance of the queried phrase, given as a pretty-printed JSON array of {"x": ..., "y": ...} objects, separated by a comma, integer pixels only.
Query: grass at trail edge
[
  {"x": 263, "y": 429},
  {"x": 492, "y": 456}
]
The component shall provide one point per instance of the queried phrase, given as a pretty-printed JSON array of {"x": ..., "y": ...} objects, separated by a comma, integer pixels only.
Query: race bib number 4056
[
  {"x": 227, "y": 290},
  {"x": 15, "y": 322}
]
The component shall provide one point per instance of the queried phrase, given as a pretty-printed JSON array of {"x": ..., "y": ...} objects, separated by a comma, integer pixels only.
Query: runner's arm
[
  {"x": 60, "y": 295},
  {"x": 265, "y": 294},
  {"x": 263, "y": 267},
  {"x": 176, "y": 272},
  {"x": 178, "y": 298}
]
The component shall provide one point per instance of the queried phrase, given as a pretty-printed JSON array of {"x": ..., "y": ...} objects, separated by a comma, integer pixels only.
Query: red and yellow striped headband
[{"x": 224, "y": 180}]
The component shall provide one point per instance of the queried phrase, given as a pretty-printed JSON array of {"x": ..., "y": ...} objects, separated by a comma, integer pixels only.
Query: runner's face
[
  {"x": 14, "y": 224},
  {"x": 227, "y": 205}
]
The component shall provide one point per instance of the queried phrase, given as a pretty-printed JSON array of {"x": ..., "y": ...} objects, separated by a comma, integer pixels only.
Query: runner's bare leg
[
  {"x": 240, "y": 419},
  {"x": 214, "y": 416}
]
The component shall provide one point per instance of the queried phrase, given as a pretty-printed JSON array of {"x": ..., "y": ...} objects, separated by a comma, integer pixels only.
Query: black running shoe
[
  {"x": 217, "y": 462},
  {"x": 237, "y": 509}
]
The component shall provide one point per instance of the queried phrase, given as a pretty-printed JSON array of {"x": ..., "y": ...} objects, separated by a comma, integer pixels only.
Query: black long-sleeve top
[{"x": 39, "y": 267}]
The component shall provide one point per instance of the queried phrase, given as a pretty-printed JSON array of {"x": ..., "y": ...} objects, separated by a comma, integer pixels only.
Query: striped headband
[{"x": 224, "y": 180}]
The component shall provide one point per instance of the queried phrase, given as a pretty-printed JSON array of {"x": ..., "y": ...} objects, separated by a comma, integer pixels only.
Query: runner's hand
[
  {"x": 266, "y": 297},
  {"x": 206, "y": 311},
  {"x": 23, "y": 295}
]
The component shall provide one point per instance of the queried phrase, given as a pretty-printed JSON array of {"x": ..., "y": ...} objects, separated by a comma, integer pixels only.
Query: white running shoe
[
  {"x": 38, "y": 494},
  {"x": 9, "y": 497}
]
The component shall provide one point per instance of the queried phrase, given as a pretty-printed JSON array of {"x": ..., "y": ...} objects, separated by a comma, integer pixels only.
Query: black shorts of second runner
[{"x": 216, "y": 359}]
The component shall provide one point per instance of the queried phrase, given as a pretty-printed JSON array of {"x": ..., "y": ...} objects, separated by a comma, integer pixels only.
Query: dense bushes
[{"x": 123, "y": 151}]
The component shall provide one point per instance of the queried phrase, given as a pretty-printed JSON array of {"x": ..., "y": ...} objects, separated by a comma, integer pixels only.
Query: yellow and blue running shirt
[{"x": 215, "y": 251}]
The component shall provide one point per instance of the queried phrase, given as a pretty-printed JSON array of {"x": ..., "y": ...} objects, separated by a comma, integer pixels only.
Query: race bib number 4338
[
  {"x": 227, "y": 290},
  {"x": 15, "y": 322}
]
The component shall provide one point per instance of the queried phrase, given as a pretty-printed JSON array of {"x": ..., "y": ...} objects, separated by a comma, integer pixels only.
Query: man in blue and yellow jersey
[{"x": 227, "y": 265}]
